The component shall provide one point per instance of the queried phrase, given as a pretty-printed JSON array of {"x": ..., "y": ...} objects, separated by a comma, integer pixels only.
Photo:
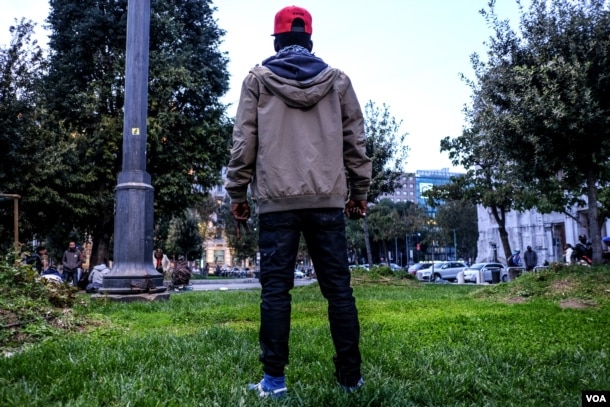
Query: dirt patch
[
  {"x": 576, "y": 304},
  {"x": 562, "y": 286},
  {"x": 516, "y": 300}
]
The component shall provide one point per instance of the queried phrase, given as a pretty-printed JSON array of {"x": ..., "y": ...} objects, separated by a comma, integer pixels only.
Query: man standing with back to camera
[{"x": 299, "y": 142}]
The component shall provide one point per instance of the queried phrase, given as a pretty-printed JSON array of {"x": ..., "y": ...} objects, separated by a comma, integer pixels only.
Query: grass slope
[{"x": 537, "y": 341}]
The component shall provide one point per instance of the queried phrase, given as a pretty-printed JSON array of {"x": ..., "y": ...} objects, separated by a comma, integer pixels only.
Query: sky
[{"x": 406, "y": 54}]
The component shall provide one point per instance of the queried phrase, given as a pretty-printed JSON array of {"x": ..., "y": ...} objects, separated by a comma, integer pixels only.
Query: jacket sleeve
[
  {"x": 245, "y": 142},
  {"x": 357, "y": 164}
]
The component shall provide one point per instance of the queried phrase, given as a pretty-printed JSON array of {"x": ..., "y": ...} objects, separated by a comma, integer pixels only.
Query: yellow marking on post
[{"x": 135, "y": 131}]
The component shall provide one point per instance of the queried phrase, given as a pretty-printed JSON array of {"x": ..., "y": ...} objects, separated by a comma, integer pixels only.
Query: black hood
[{"x": 295, "y": 63}]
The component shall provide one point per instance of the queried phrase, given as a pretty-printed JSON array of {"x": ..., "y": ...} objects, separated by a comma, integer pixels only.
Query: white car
[
  {"x": 471, "y": 272},
  {"x": 447, "y": 270},
  {"x": 299, "y": 274}
]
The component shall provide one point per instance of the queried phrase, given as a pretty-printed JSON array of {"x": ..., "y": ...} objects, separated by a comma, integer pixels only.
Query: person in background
[
  {"x": 515, "y": 259},
  {"x": 96, "y": 276},
  {"x": 568, "y": 254},
  {"x": 583, "y": 251},
  {"x": 299, "y": 142},
  {"x": 181, "y": 275},
  {"x": 72, "y": 260},
  {"x": 161, "y": 262},
  {"x": 40, "y": 259},
  {"x": 50, "y": 273},
  {"x": 530, "y": 258}
]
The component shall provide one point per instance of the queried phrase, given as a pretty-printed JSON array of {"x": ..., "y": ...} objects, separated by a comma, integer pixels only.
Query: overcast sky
[{"x": 407, "y": 54}]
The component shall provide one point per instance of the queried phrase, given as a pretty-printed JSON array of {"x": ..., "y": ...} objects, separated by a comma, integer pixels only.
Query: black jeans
[
  {"x": 71, "y": 276},
  {"x": 324, "y": 233}
]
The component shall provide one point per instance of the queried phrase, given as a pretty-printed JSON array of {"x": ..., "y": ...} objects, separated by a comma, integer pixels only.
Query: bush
[{"x": 29, "y": 304}]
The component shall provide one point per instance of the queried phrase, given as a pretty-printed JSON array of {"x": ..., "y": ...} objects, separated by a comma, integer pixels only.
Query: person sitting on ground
[
  {"x": 96, "y": 277},
  {"x": 52, "y": 274},
  {"x": 583, "y": 250},
  {"x": 161, "y": 262},
  {"x": 515, "y": 259},
  {"x": 182, "y": 273}
]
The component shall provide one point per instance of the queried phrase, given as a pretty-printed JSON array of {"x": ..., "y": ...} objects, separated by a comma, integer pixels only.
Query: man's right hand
[
  {"x": 355, "y": 209},
  {"x": 240, "y": 211}
]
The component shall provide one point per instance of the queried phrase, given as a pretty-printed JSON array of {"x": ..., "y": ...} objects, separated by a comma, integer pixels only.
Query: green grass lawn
[{"x": 422, "y": 344}]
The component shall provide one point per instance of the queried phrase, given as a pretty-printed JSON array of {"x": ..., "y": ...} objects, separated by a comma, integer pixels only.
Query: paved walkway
[{"x": 238, "y": 284}]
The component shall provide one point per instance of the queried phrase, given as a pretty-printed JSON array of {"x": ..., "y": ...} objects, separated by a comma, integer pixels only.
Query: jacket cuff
[{"x": 357, "y": 197}]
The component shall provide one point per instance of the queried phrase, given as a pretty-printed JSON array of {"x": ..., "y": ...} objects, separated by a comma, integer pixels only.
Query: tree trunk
[
  {"x": 594, "y": 230},
  {"x": 500, "y": 217},
  {"x": 367, "y": 243},
  {"x": 100, "y": 249}
]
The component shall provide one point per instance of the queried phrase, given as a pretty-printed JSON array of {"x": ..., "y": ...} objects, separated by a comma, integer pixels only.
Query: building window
[{"x": 219, "y": 256}]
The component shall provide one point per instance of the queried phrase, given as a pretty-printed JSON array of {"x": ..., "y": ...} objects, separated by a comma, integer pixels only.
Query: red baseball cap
[{"x": 286, "y": 16}]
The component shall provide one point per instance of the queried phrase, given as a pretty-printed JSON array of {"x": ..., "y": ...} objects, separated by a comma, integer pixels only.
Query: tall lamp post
[
  {"x": 454, "y": 245},
  {"x": 408, "y": 241},
  {"x": 132, "y": 271}
]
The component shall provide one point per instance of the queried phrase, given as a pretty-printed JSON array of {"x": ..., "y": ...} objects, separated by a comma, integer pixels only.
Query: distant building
[
  {"x": 216, "y": 250},
  {"x": 425, "y": 180},
  {"x": 547, "y": 234},
  {"x": 412, "y": 185},
  {"x": 406, "y": 190}
]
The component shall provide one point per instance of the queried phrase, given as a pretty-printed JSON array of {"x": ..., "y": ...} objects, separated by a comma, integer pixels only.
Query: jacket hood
[
  {"x": 295, "y": 62},
  {"x": 297, "y": 93},
  {"x": 296, "y": 76},
  {"x": 101, "y": 267}
]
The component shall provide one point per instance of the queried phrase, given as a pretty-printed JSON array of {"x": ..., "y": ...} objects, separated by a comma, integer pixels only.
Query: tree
[
  {"x": 184, "y": 237},
  {"x": 188, "y": 136},
  {"x": 489, "y": 180},
  {"x": 246, "y": 245},
  {"x": 29, "y": 155},
  {"x": 544, "y": 97},
  {"x": 386, "y": 148},
  {"x": 384, "y": 221},
  {"x": 390, "y": 223},
  {"x": 458, "y": 222}
]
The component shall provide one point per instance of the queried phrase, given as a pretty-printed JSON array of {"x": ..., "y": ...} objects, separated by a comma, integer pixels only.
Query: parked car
[
  {"x": 446, "y": 270},
  {"x": 395, "y": 267},
  {"x": 414, "y": 268},
  {"x": 470, "y": 273},
  {"x": 299, "y": 274}
]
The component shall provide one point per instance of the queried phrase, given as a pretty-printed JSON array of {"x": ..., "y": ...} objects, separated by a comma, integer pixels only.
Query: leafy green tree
[
  {"x": 489, "y": 180},
  {"x": 543, "y": 99},
  {"x": 355, "y": 240},
  {"x": 457, "y": 220},
  {"x": 188, "y": 135},
  {"x": 390, "y": 223},
  {"x": 386, "y": 148},
  {"x": 383, "y": 219},
  {"x": 184, "y": 237},
  {"x": 29, "y": 155},
  {"x": 245, "y": 246}
]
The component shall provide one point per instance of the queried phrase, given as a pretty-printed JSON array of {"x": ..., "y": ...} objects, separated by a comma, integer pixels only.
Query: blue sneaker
[
  {"x": 270, "y": 387},
  {"x": 351, "y": 389}
]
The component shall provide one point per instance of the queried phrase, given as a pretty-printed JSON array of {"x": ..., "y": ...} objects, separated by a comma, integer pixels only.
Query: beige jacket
[{"x": 299, "y": 144}]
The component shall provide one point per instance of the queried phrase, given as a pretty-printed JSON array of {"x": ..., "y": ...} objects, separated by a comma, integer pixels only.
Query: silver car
[
  {"x": 447, "y": 270},
  {"x": 471, "y": 272}
]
